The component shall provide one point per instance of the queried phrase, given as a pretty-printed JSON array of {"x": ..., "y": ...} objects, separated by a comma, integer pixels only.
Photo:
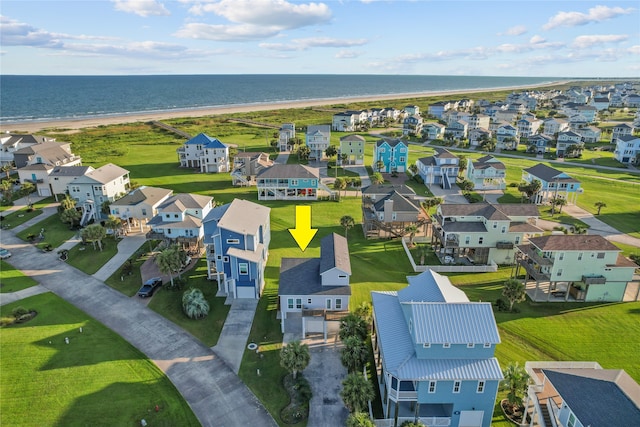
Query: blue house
[
  {"x": 237, "y": 237},
  {"x": 554, "y": 183},
  {"x": 288, "y": 182},
  {"x": 434, "y": 354},
  {"x": 393, "y": 154},
  {"x": 205, "y": 153},
  {"x": 441, "y": 168}
]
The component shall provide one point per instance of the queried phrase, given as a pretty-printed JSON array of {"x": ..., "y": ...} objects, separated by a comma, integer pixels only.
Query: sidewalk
[
  {"x": 7, "y": 298},
  {"x": 126, "y": 247}
]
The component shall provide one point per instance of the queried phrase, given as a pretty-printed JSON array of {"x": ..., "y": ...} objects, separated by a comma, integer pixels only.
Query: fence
[{"x": 447, "y": 268}]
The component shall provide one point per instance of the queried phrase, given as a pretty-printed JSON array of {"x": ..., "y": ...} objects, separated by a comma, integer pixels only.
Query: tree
[
  {"x": 168, "y": 261},
  {"x": 431, "y": 202},
  {"x": 356, "y": 392},
  {"x": 600, "y": 205},
  {"x": 94, "y": 233},
  {"x": 529, "y": 189},
  {"x": 516, "y": 381},
  {"x": 379, "y": 165},
  {"x": 347, "y": 222},
  {"x": 578, "y": 229},
  {"x": 274, "y": 144},
  {"x": 413, "y": 168},
  {"x": 359, "y": 419},
  {"x": 6, "y": 187},
  {"x": 294, "y": 357},
  {"x": 114, "y": 224},
  {"x": 353, "y": 325},
  {"x": 303, "y": 152},
  {"x": 466, "y": 185},
  {"x": 377, "y": 178},
  {"x": 344, "y": 158},
  {"x": 411, "y": 229},
  {"x": 515, "y": 291},
  {"x": 340, "y": 184},
  {"x": 557, "y": 201},
  {"x": 67, "y": 202},
  {"x": 462, "y": 165},
  {"x": 6, "y": 168},
  {"x": 364, "y": 311},
  {"x": 194, "y": 305},
  {"x": 71, "y": 216},
  {"x": 331, "y": 151},
  {"x": 25, "y": 191},
  {"x": 354, "y": 354}
]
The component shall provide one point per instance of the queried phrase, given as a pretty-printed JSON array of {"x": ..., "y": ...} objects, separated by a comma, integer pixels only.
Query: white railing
[
  {"x": 427, "y": 421},
  {"x": 403, "y": 395},
  {"x": 492, "y": 267}
]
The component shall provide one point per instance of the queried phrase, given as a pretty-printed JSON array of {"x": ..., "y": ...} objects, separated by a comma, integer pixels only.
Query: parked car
[
  {"x": 4, "y": 254},
  {"x": 149, "y": 287}
]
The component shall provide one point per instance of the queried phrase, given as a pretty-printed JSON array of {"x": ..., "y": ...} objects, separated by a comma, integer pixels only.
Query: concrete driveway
[
  {"x": 214, "y": 393},
  {"x": 235, "y": 332}
]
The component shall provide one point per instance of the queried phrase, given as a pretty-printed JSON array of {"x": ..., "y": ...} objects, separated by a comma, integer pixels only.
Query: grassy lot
[
  {"x": 22, "y": 215},
  {"x": 86, "y": 258},
  {"x": 12, "y": 279},
  {"x": 55, "y": 234},
  {"x": 168, "y": 303},
  {"x": 97, "y": 377},
  {"x": 130, "y": 283}
]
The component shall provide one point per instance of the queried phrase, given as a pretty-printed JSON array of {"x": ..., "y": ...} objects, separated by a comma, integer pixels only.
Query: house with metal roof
[
  {"x": 389, "y": 155},
  {"x": 441, "y": 168},
  {"x": 483, "y": 233},
  {"x": 580, "y": 394},
  {"x": 387, "y": 210},
  {"x": 579, "y": 267},
  {"x": 179, "y": 220},
  {"x": 315, "y": 292},
  {"x": 288, "y": 182},
  {"x": 434, "y": 354},
  {"x": 554, "y": 183},
  {"x": 141, "y": 204},
  {"x": 205, "y": 153},
  {"x": 236, "y": 238},
  {"x": 486, "y": 173}
]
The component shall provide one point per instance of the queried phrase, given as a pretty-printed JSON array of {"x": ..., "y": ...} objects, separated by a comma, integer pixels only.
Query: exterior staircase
[
  {"x": 88, "y": 210},
  {"x": 239, "y": 178}
]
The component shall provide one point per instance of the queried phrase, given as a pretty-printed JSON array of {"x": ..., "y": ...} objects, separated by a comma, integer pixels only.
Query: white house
[
  {"x": 318, "y": 139},
  {"x": 627, "y": 149},
  {"x": 140, "y": 205},
  {"x": 204, "y": 153}
]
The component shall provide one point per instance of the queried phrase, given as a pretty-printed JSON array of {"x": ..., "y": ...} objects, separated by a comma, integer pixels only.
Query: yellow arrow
[{"x": 303, "y": 233}]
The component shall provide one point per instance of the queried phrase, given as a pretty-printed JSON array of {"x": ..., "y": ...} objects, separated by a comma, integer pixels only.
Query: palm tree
[
  {"x": 557, "y": 201},
  {"x": 600, "y": 205},
  {"x": 356, "y": 392},
  {"x": 377, "y": 178},
  {"x": 347, "y": 222},
  {"x": 411, "y": 229},
  {"x": 354, "y": 354},
  {"x": 194, "y": 305},
  {"x": 379, "y": 165},
  {"x": 514, "y": 291},
  {"x": 578, "y": 229},
  {"x": 294, "y": 357},
  {"x": 6, "y": 187},
  {"x": 6, "y": 168},
  {"x": 359, "y": 419},
  {"x": 303, "y": 152},
  {"x": 413, "y": 168},
  {"x": 72, "y": 216},
  {"x": 516, "y": 381},
  {"x": 353, "y": 325},
  {"x": 364, "y": 311},
  {"x": 114, "y": 223},
  {"x": 25, "y": 191},
  {"x": 68, "y": 202},
  {"x": 462, "y": 164},
  {"x": 94, "y": 234},
  {"x": 168, "y": 261},
  {"x": 431, "y": 202},
  {"x": 339, "y": 184}
]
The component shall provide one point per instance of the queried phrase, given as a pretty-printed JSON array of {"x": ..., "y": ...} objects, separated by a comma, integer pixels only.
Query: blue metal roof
[
  {"x": 449, "y": 369},
  {"x": 454, "y": 323},
  {"x": 206, "y": 141},
  {"x": 431, "y": 286}
]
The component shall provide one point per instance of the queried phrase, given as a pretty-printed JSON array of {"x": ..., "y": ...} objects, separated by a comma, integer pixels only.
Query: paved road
[{"x": 214, "y": 393}]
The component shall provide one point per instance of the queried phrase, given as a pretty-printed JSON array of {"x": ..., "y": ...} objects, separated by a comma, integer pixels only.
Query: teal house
[
  {"x": 393, "y": 153},
  {"x": 288, "y": 182}
]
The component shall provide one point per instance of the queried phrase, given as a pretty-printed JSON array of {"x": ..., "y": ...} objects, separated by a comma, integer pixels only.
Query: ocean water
[{"x": 40, "y": 98}]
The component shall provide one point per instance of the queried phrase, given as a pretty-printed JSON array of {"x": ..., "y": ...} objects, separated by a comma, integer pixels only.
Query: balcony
[
  {"x": 155, "y": 235},
  {"x": 594, "y": 280},
  {"x": 504, "y": 245}
]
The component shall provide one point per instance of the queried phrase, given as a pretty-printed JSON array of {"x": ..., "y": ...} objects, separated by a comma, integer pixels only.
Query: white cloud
[
  {"x": 595, "y": 14},
  {"x": 635, "y": 50},
  {"x": 230, "y": 33},
  {"x": 582, "y": 42},
  {"x": 537, "y": 39},
  {"x": 15, "y": 33},
  {"x": 348, "y": 54},
  {"x": 518, "y": 30},
  {"x": 142, "y": 8},
  {"x": 271, "y": 13},
  {"x": 304, "y": 44}
]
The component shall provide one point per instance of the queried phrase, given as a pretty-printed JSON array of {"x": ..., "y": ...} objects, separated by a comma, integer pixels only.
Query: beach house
[
  {"x": 61, "y": 176},
  {"x": 236, "y": 238},
  {"x": 318, "y": 139},
  {"x": 12, "y": 142},
  {"x": 141, "y": 204},
  {"x": 288, "y": 182},
  {"x": 554, "y": 183},
  {"x": 387, "y": 210},
  {"x": 345, "y": 121},
  {"x": 316, "y": 291},
  {"x": 627, "y": 149},
  {"x": 486, "y": 173},
  {"x": 286, "y": 136},
  {"x": 569, "y": 144},
  {"x": 433, "y": 131},
  {"x": 539, "y": 143},
  {"x": 247, "y": 165},
  {"x": 434, "y": 354},
  {"x": 390, "y": 155},
  {"x": 351, "y": 151},
  {"x": 205, "y": 153},
  {"x": 441, "y": 168},
  {"x": 507, "y": 137},
  {"x": 412, "y": 125}
]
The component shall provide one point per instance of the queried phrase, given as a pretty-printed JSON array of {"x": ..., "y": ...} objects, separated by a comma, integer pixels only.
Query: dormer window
[
  {"x": 446, "y": 345},
  {"x": 426, "y": 345}
]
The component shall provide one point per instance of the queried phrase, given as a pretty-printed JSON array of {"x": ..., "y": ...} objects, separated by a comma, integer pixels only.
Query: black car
[{"x": 149, "y": 287}]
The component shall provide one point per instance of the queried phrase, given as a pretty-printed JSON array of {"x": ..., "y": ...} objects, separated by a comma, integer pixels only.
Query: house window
[
  {"x": 308, "y": 300},
  {"x": 495, "y": 224},
  {"x": 467, "y": 239},
  {"x": 233, "y": 241},
  {"x": 487, "y": 345},
  {"x": 572, "y": 421},
  {"x": 504, "y": 229},
  {"x": 299, "y": 303},
  {"x": 480, "y": 387},
  {"x": 517, "y": 240},
  {"x": 456, "y": 386},
  {"x": 338, "y": 303},
  {"x": 144, "y": 212},
  {"x": 580, "y": 256},
  {"x": 560, "y": 256},
  {"x": 294, "y": 182},
  {"x": 168, "y": 231},
  {"x": 225, "y": 259},
  {"x": 559, "y": 273},
  {"x": 470, "y": 345},
  {"x": 328, "y": 304},
  {"x": 290, "y": 303},
  {"x": 480, "y": 240},
  {"x": 432, "y": 386},
  {"x": 401, "y": 159},
  {"x": 243, "y": 268},
  {"x": 381, "y": 150},
  {"x": 446, "y": 345},
  {"x": 426, "y": 345},
  {"x": 600, "y": 255},
  {"x": 219, "y": 257}
]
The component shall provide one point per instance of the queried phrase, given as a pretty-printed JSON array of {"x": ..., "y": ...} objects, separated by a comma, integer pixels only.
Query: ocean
[{"x": 45, "y": 98}]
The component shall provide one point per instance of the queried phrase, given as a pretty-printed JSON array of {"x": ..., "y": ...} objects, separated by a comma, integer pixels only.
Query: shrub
[
  {"x": 19, "y": 311},
  {"x": 513, "y": 184},
  {"x": 194, "y": 305},
  {"x": 412, "y": 424},
  {"x": 502, "y": 305},
  {"x": 418, "y": 179}
]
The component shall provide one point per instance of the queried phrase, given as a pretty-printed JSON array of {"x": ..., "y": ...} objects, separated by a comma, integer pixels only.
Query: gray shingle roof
[
  {"x": 388, "y": 189},
  {"x": 391, "y": 141},
  {"x": 352, "y": 138},
  {"x": 104, "y": 174},
  {"x": 294, "y": 171},
  {"x": 547, "y": 173},
  {"x": 188, "y": 200},
  {"x": 494, "y": 212},
  {"x": 151, "y": 195},
  {"x": 400, "y": 203},
  {"x": 301, "y": 276},
  {"x": 70, "y": 170},
  {"x": 334, "y": 253},
  {"x": 573, "y": 242}
]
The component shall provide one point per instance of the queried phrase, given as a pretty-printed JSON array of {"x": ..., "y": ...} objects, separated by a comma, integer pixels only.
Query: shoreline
[{"x": 72, "y": 124}]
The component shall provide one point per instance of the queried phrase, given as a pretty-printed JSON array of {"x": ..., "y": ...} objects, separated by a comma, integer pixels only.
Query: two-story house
[
  {"x": 434, "y": 354},
  {"x": 437, "y": 109},
  {"x": 61, "y": 176},
  {"x": 236, "y": 237},
  {"x": 554, "y": 183},
  {"x": 622, "y": 129},
  {"x": 482, "y": 232},
  {"x": 412, "y": 125},
  {"x": 569, "y": 144},
  {"x": 247, "y": 165},
  {"x": 105, "y": 184},
  {"x": 345, "y": 121},
  {"x": 351, "y": 151},
  {"x": 539, "y": 143},
  {"x": 140, "y": 205},
  {"x": 12, "y": 142},
  {"x": 586, "y": 267},
  {"x": 589, "y": 133},
  {"x": 580, "y": 394},
  {"x": 627, "y": 149},
  {"x": 387, "y": 210},
  {"x": 552, "y": 126},
  {"x": 527, "y": 127},
  {"x": 286, "y": 136},
  {"x": 288, "y": 182},
  {"x": 411, "y": 110},
  {"x": 432, "y": 131},
  {"x": 316, "y": 291},
  {"x": 457, "y": 129},
  {"x": 392, "y": 153},
  {"x": 318, "y": 139},
  {"x": 486, "y": 173},
  {"x": 478, "y": 135},
  {"x": 507, "y": 137},
  {"x": 179, "y": 220},
  {"x": 205, "y": 153},
  {"x": 441, "y": 168}
]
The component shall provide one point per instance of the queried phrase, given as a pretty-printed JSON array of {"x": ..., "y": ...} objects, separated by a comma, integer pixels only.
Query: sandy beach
[{"x": 75, "y": 124}]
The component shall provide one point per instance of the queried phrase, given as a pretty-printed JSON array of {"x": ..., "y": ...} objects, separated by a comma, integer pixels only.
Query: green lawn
[
  {"x": 168, "y": 303},
  {"x": 130, "y": 283},
  {"x": 22, "y": 215},
  {"x": 56, "y": 232},
  {"x": 97, "y": 378},
  {"x": 12, "y": 279}
]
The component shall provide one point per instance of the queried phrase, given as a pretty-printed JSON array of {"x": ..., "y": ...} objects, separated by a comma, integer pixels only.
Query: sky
[{"x": 498, "y": 38}]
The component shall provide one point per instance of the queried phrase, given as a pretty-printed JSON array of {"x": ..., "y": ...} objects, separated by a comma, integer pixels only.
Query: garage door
[
  {"x": 245, "y": 292},
  {"x": 314, "y": 324},
  {"x": 471, "y": 418},
  {"x": 44, "y": 191}
]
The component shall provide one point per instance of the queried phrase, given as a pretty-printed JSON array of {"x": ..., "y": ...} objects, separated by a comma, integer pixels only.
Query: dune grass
[
  {"x": 12, "y": 279},
  {"x": 96, "y": 377}
]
